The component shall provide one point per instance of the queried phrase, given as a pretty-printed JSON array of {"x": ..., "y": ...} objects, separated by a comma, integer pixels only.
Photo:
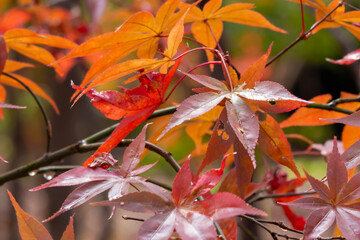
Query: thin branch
[
  {"x": 259, "y": 198},
  {"x": 41, "y": 107},
  {"x": 85, "y": 145},
  {"x": 126, "y": 217},
  {"x": 352, "y": 6},
  {"x": 276, "y": 235},
  {"x": 281, "y": 225},
  {"x": 163, "y": 185},
  {"x": 182, "y": 78},
  {"x": 166, "y": 155},
  {"x": 304, "y": 35},
  {"x": 246, "y": 231},
  {"x": 328, "y": 107},
  {"x": 343, "y": 100},
  {"x": 72, "y": 149}
]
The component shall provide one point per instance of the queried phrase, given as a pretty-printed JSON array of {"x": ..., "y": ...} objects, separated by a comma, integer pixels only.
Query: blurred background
[{"x": 303, "y": 71}]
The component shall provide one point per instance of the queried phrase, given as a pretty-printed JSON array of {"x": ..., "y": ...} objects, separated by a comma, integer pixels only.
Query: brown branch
[
  {"x": 84, "y": 145},
  {"x": 259, "y": 198},
  {"x": 49, "y": 158},
  {"x": 41, "y": 107},
  {"x": 304, "y": 35}
]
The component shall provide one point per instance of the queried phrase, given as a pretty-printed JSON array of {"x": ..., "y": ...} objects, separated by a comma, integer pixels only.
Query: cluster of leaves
[{"x": 234, "y": 112}]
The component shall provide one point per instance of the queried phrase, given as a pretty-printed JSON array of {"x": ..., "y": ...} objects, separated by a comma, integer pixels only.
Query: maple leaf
[
  {"x": 347, "y": 59},
  {"x": 9, "y": 66},
  {"x": 352, "y": 119},
  {"x": 249, "y": 93},
  {"x": 179, "y": 211},
  {"x": 207, "y": 24},
  {"x": 30, "y": 228},
  {"x": 339, "y": 18},
  {"x": 13, "y": 18},
  {"x": 314, "y": 117},
  {"x": 23, "y": 41},
  {"x": 274, "y": 143},
  {"x": 141, "y": 31},
  {"x": 134, "y": 105},
  {"x": 334, "y": 201},
  {"x": 96, "y": 180}
]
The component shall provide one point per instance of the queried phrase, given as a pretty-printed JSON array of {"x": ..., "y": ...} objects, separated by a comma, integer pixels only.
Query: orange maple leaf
[
  {"x": 339, "y": 18},
  {"x": 207, "y": 24}
]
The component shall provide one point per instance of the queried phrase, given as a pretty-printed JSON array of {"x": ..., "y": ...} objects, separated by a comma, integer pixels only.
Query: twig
[
  {"x": 276, "y": 235},
  {"x": 259, "y": 198},
  {"x": 343, "y": 100},
  {"x": 125, "y": 217},
  {"x": 72, "y": 149},
  {"x": 167, "y": 187},
  {"x": 246, "y": 231},
  {"x": 352, "y": 6},
  {"x": 304, "y": 35},
  {"x": 42, "y": 109},
  {"x": 281, "y": 225},
  {"x": 85, "y": 145},
  {"x": 328, "y": 107}
]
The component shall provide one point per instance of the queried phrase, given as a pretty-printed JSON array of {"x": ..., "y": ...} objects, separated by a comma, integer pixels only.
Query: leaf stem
[
  {"x": 304, "y": 35},
  {"x": 259, "y": 198},
  {"x": 180, "y": 80},
  {"x": 41, "y": 107},
  {"x": 302, "y": 18},
  {"x": 213, "y": 34},
  {"x": 193, "y": 50}
]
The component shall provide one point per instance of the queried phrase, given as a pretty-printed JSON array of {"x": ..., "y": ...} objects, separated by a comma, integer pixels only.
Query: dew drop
[
  {"x": 49, "y": 175},
  {"x": 33, "y": 173}
]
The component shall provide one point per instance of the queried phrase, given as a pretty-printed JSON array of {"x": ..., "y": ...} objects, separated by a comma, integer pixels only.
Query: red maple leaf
[
  {"x": 97, "y": 180},
  {"x": 181, "y": 211},
  {"x": 238, "y": 119},
  {"x": 133, "y": 105},
  {"x": 335, "y": 201}
]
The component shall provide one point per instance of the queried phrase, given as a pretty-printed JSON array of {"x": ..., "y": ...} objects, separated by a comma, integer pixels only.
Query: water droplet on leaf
[
  {"x": 33, "y": 173},
  {"x": 49, "y": 175}
]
